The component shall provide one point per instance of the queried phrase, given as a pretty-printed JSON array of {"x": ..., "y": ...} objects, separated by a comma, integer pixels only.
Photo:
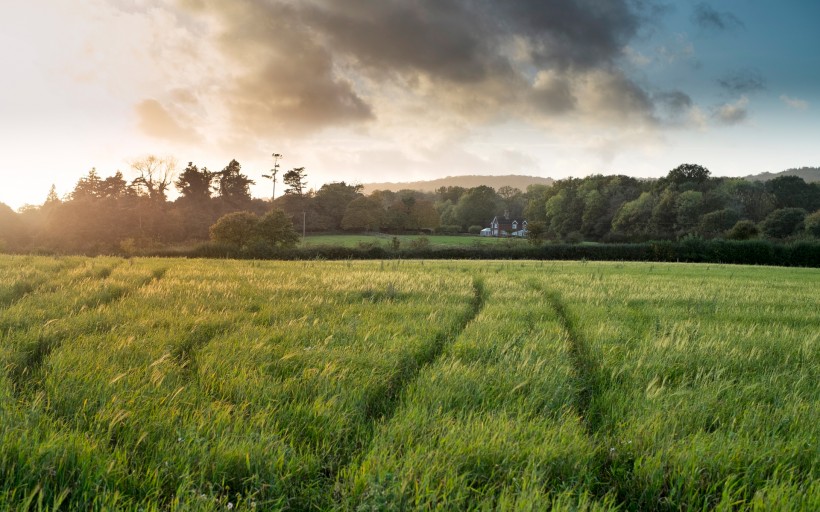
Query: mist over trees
[{"x": 132, "y": 212}]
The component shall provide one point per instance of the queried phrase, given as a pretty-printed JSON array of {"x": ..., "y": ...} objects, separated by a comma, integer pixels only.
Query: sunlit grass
[{"x": 198, "y": 385}]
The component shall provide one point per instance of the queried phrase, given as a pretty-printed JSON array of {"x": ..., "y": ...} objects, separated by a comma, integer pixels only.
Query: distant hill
[
  {"x": 809, "y": 174},
  {"x": 469, "y": 181}
]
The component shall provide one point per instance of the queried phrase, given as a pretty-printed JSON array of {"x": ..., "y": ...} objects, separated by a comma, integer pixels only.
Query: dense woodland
[{"x": 113, "y": 214}]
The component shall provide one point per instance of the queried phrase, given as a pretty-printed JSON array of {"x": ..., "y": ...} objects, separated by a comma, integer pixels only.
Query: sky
[{"x": 399, "y": 90}]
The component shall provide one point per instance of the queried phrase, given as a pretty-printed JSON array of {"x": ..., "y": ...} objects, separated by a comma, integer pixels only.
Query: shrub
[
  {"x": 244, "y": 229},
  {"x": 743, "y": 230},
  {"x": 783, "y": 222},
  {"x": 450, "y": 229},
  {"x": 535, "y": 232},
  {"x": 475, "y": 230},
  {"x": 691, "y": 249},
  {"x": 368, "y": 245},
  {"x": 276, "y": 229},
  {"x": 421, "y": 242},
  {"x": 715, "y": 223},
  {"x": 812, "y": 223},
  {"x": 574, "y": 237},
  {"x": 235, "y": 229}
]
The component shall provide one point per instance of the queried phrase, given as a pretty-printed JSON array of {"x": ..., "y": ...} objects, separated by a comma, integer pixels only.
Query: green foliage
[
  {"x": 332, "y": 201},
  {"x": 235, "y": 229},
  {"x": 477, "y": 207},
  {"x": 688, "y": 173},
  {"x": 715, "y": 223},
  {"x": 689, "y": 249},
  {"x": 535, "y": 232},
  {"x": 750, "y": 198},
  {"x": 664, "y": 217},
  {"x": 689, "y": 210},
  {"x": 564, "y": 212},
  {"x": 363, "y": 214},
  {"x": 574, "y": 237},
  {"x": 450, "y": 229},
  {"x": 421, "y": 242},
  {"x": 812, "y": 223},
  {"x": 793, "y": 192},
  {"x": 743, "y": 230},
  {"x": 296, "y": 181},
  {"x": 275, "y": 229},
  {"x": 194, "y": 184},
  {"x": 783, "y": 222},
  {"x": 475, "y": 229},
  {"x": 633, "y": 217},
  {"x": 232, "y": 185},
  {"x": 110, "y": 215},
  {"x": 240, "y": 229}
]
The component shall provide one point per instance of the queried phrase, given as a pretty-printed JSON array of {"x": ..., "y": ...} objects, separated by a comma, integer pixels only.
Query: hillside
[
  {"x": 468, "y": 181},
  {"x": 809, "y": 174}
]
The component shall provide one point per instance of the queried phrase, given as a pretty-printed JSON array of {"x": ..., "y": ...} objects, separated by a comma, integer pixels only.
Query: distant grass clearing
[{"x": 385, "y": 240}]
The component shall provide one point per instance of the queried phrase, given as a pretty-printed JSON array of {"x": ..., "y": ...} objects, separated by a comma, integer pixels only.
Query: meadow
[
  {"x": 405, "y": 241},
  {"x": 173, "y": 384}
]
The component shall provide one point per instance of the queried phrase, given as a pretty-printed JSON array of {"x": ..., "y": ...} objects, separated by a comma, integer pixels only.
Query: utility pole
[{"x": 272, "y": 175}]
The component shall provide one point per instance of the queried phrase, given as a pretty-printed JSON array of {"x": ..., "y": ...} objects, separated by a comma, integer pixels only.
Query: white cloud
[
  {"x": 794, "y": 103},
  {"x": 733, "y": 113}
]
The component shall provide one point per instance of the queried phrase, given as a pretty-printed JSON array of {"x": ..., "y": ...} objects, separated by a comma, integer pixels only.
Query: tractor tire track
[
  {"x": 384, "y": 401},
  {"x": 587, "y": 369},
  {"x": 591, "y": 383},
  {"x": 30, "y": 359},
  {"x": 27, "y": 285},
  {"x": 185, "y": 352}
]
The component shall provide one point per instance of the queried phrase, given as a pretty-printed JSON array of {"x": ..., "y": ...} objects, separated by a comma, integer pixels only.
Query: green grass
[
  {"x": 385, "y": 240},
  {"x": 162, "y": 384}
]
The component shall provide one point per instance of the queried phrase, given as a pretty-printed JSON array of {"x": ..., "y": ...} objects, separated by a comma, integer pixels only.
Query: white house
[{"x": 507, "y": 227}]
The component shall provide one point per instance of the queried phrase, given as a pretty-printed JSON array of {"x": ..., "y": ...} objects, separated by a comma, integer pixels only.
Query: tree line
[
  {"x": 686, "y": 202},
  {"x": 112, "y": 214}
]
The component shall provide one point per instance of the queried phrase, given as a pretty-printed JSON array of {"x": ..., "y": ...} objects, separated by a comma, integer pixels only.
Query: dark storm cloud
[
  {"x": 672, "y": 104},
  {"x": 743, "y": 81},
  {"x": 708, "y": 18},
  {"x": 674, "y": 100},
  {"x": 552, "y": 95},
  {"x": 459, "y": 40},
  {"x": 307, "y": 64}
]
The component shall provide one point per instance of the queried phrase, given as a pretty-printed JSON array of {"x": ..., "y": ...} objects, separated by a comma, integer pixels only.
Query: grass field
[
  {"x": 385, "y": 240},
  {"x": 169, "y": 384}
]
